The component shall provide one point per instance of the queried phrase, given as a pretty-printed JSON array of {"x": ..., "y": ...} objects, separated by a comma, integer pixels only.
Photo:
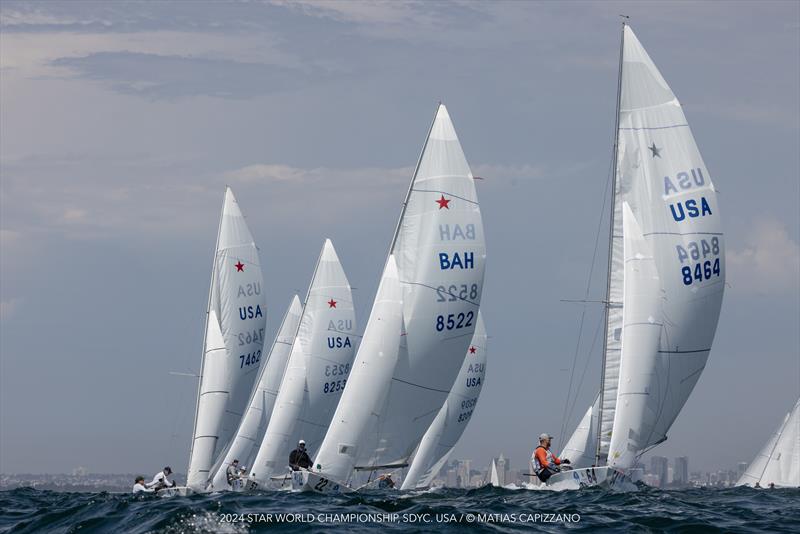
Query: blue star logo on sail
[{"x": 655, "y": 150}]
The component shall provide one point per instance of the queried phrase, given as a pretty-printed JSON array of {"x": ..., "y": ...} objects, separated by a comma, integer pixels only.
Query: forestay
[
  {"x": 440, "y": 252},
  {"x": 778, "y": 462},
  {"x": 674, "y": 275},
  {"x": 235, "y": 324},
  {"x": 452, "y": 419},
  {"x": 244, "y": 445},
  {"x": 317, "y": 371},
  {"x": 371, "y": 371}
]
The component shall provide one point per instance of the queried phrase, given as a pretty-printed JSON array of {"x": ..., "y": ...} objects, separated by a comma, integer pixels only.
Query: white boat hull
[
  {"x": 303, "y": 481},
  {"x": 176, "y": 491},
  {"x": 605, "y": 477}
]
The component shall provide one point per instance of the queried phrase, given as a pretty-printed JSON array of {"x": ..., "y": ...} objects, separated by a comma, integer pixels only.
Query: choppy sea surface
[{"x": 441, "y": 510}]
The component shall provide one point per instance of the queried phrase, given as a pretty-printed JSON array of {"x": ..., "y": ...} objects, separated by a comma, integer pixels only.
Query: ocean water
[{"x": 444, "y": 510}]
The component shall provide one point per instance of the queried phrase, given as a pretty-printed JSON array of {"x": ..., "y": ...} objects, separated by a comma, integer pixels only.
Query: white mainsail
[
  {"x": 452, "y": 419},
  {"x": 440, "y": 251},
  {"x": 778, "y": 462},
  {"x": 666, "y": 266},
  {"x": 244, "y": 445},
  {"x": 580, "y": 448},
  {"x": 318, "y": 369},
  {"x": 233, "y": 343},
  {"x": 676, "y": 276},
  {"x": 372, "y": 370}
]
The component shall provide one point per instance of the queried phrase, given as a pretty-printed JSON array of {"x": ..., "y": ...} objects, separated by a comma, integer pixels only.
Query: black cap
[{"x": 168, "y": 468}]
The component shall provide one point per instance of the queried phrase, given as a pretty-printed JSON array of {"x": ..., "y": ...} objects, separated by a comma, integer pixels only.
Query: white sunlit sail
[
  {"x": 440, "y": 252},
  {"x": 666, "y": 265},
  {"x": 778, "y": 463},
  {"x": 233, "y": 342},
  {"x": 494, "y": 475},
  {"x": 372, "y": 369},
  {"x": 581, "y": 447},
  {"x": 244, "y": 445},
  {"x": 452, "y": 419},
  {"x": 316, "y": 373}
]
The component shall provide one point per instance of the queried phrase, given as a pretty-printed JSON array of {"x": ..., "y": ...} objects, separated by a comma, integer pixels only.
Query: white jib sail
[
  {"x": 663, "y": 180},
  {"x": 234, "y": 340},
  {"x": 372, "y": 370},
  {"x": 779, "y": 461},
  {"x": 640, "y": 392},
  {"x": 317, "y": 371},
  {"x": 581, "y": 446},
  {"x": 440, "y": 252},
  {"x": 245, "y": 444},
  {"x": 452, "y": 419},
  {"x": 494, "y": 476}
]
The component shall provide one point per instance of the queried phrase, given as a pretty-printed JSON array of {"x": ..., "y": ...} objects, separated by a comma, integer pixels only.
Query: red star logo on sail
[
  {"x": 472, "y": 350},
  {"x": 239, "y": 266},
  {"x": 444, "y": 202},
  {"x": 331, "y": 303}
]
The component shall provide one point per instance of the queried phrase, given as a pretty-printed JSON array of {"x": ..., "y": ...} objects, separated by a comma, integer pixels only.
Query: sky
[{"x": 121, "y": 123}]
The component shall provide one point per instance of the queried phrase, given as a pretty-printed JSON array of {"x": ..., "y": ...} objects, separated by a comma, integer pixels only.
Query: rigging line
[
  {"x": 586, "y": 298},
  {"x": 443, "y": 192},
  {"x": 585, "y": 367}
]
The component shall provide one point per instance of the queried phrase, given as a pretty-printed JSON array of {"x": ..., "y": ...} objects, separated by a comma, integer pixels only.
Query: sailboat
[
  {"x": 233, "y": 342},
  {"x": 244, "y": 445},
  {"x": 778, "y": 462},
  {"x": 666, "y": 275},
  {"x": 494, "y": 475},
  {"x": 402, "y": 377},
  {"x": 317, "y": 371},
  {"x": 451, "y": 421}
]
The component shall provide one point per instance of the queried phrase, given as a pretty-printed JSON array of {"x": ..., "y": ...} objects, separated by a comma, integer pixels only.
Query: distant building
[
  {"x": 741, "y": 468},
  {"x": 79, "y": 472},
  {"x": 659, "y": 466},
  {"x": 680, "y": 475},
  {"x": 463, "y": 473}
]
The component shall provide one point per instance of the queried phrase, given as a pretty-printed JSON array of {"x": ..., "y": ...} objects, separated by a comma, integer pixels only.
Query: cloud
[
  {"x": 157, "y": 76},
  {"x": 8, "y": 308},
  {"x": 769, "y": 263}
]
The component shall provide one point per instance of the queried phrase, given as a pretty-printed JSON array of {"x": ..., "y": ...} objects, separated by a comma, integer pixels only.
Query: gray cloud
[{"x": 169, "y": 77}]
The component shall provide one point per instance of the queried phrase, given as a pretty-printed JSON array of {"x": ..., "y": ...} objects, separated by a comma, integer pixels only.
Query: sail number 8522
[{"x": 454, "y": 321}]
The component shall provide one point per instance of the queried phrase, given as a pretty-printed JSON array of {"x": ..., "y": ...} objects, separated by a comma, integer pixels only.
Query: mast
[
  {"x": 610, "y": 241},
  {"x": 413, "y": 180},
  {"x": 205, "y": 329}
]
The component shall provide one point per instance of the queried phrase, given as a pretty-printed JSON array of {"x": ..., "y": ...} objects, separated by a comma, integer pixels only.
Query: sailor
[
  {"x": 544, "y": 461},
  {"x": 298, "y": 458},
  {"x": 232, "y": 473},
  {"x": 160, "y": 480},
  {"x": 139, "y": 487},
  {"x": 385, "y": 481}
]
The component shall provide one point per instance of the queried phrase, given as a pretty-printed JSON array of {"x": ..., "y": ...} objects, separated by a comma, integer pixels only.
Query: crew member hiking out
[
  {"x": 545, "y": 463},
  {"x": 233, "y": 474},
  {"x": 298, "y": 458}
]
